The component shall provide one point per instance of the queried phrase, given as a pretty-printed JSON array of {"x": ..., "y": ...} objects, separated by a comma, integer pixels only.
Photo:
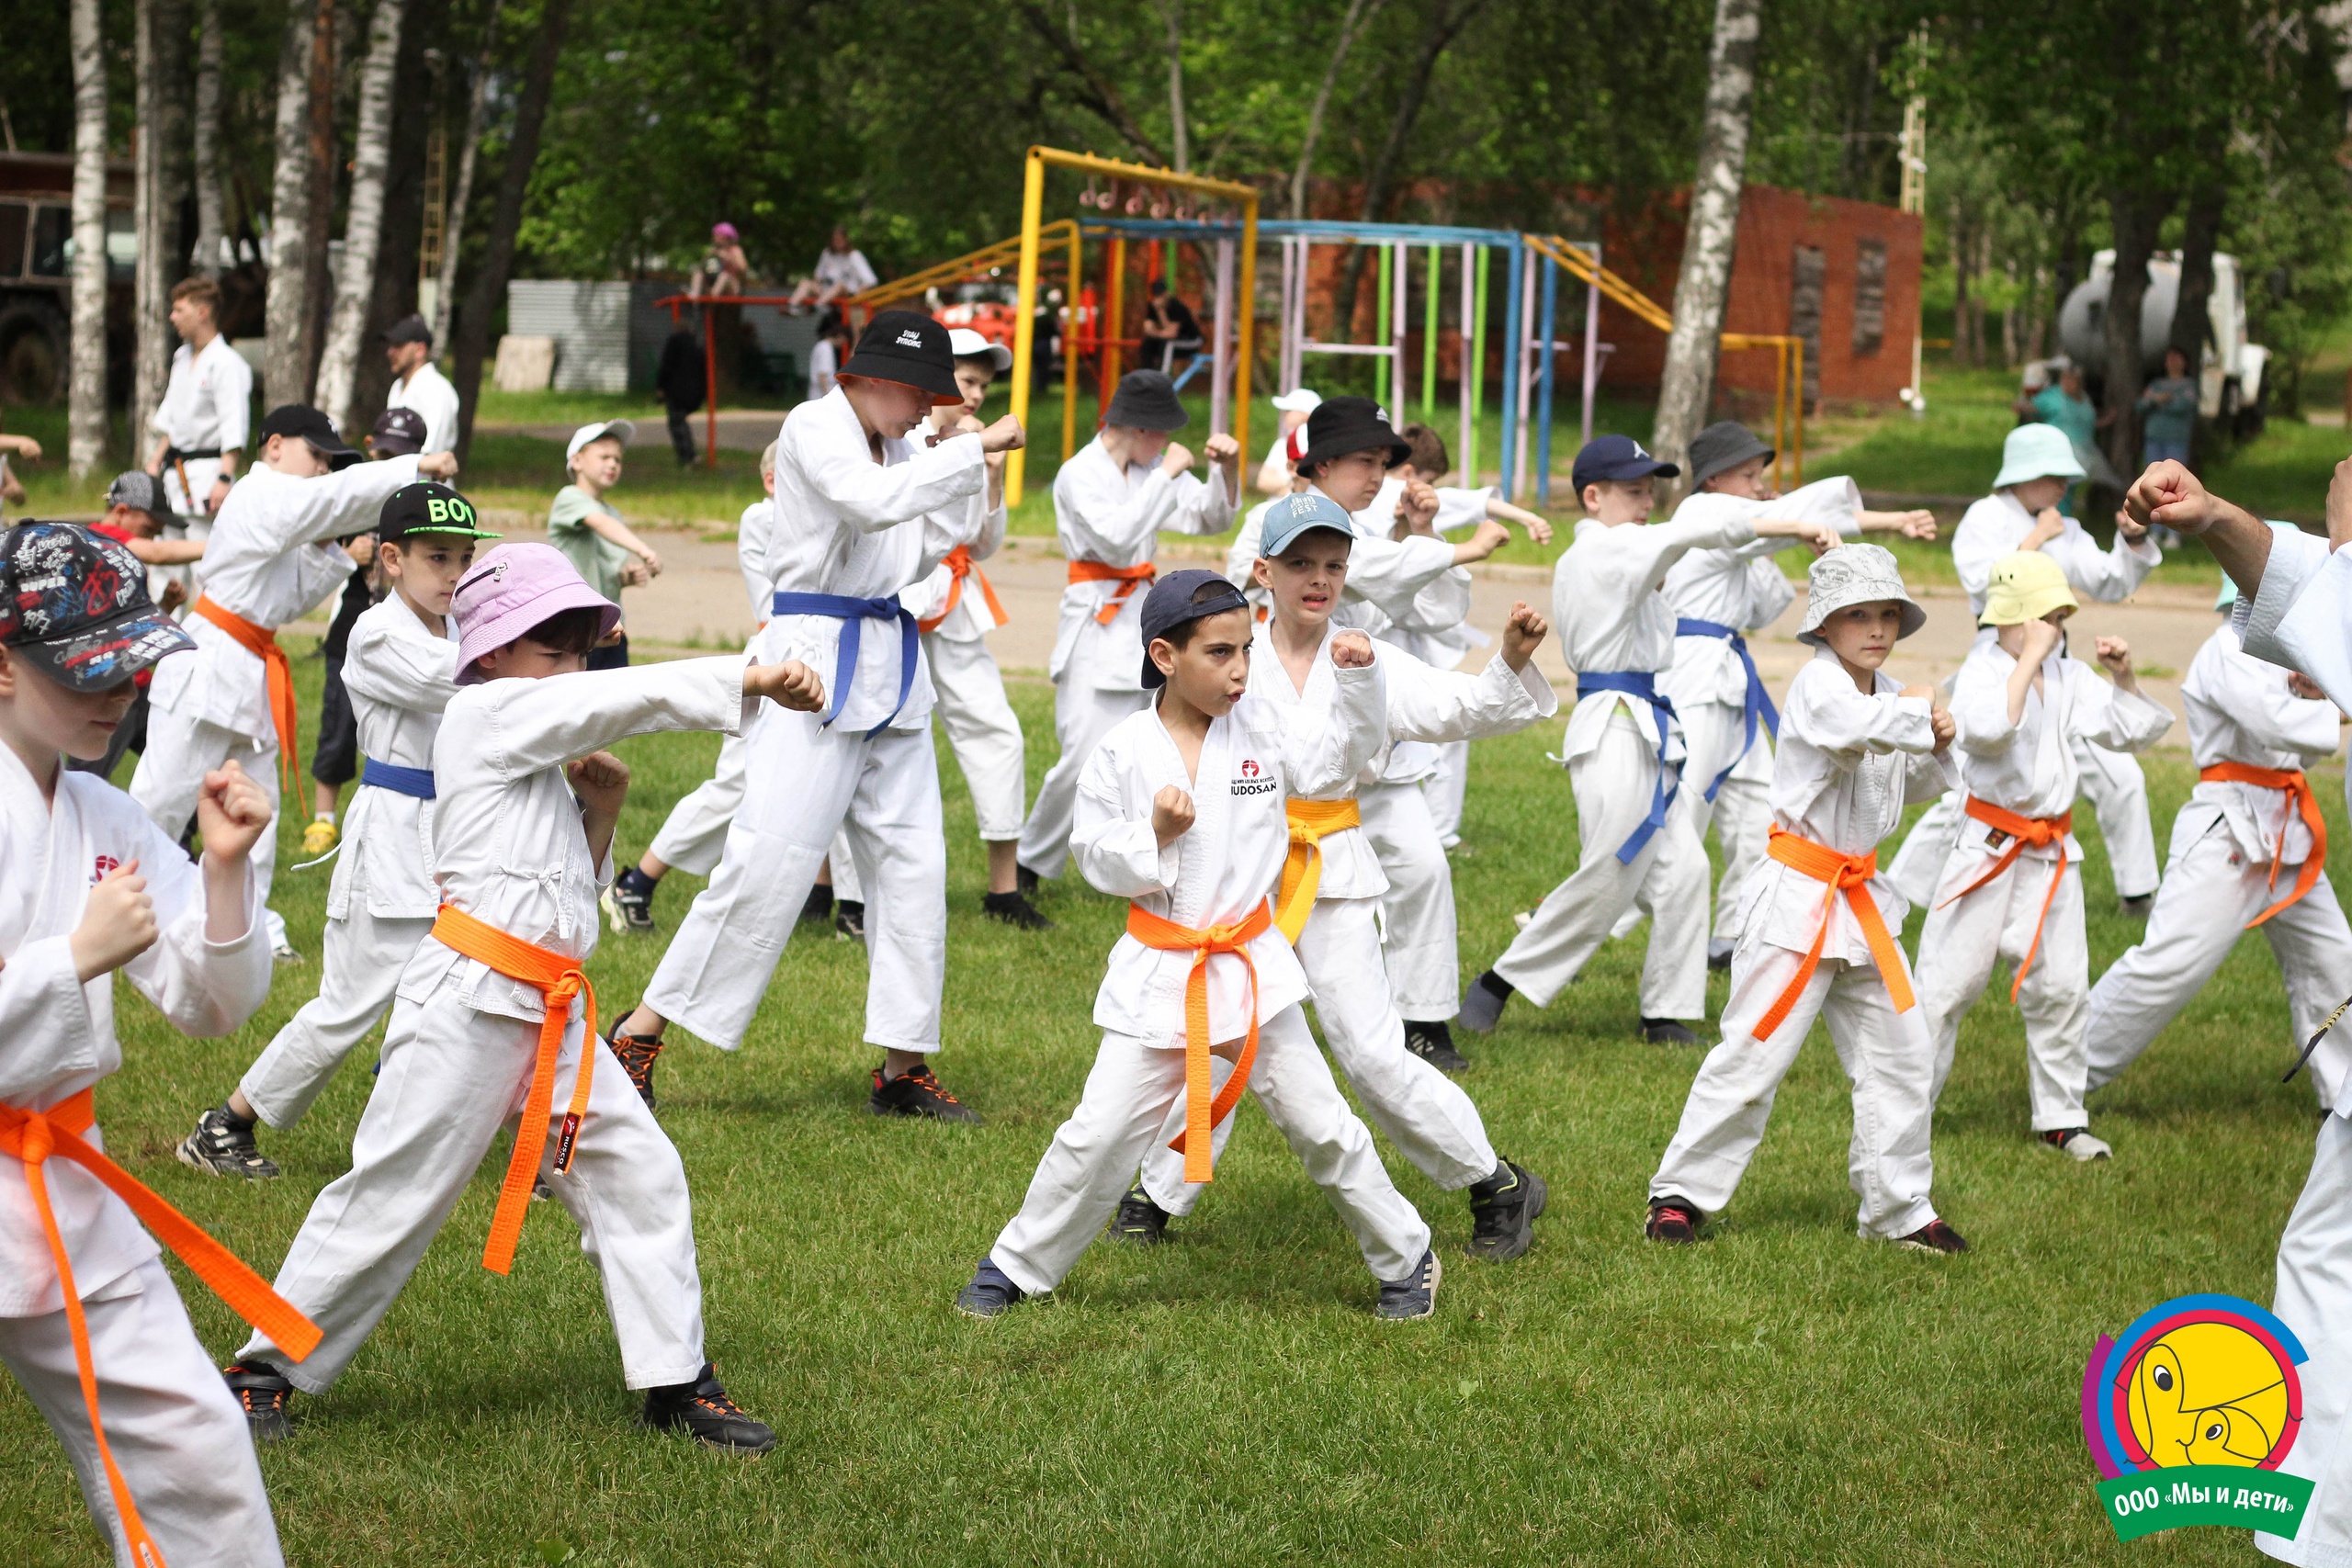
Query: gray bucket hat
[
  {"x": 1856, "y": 574},
  {"x": 1721, "y": 447}
]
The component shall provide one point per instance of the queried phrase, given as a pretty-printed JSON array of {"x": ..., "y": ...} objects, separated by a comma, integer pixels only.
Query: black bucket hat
[
  {"x": 1146, "y": 400},
  {"x": 909, "y": 348},
  {"x": 75, "y": 603},
  {"x": 1721, "y": 447},
  {"x": 1341, "y": 425}
]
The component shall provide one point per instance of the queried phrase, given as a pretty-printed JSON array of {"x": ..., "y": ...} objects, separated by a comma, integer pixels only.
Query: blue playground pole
[
  {"x": 1511, "y": 350},
  {"x": 1544, "y": 430}
]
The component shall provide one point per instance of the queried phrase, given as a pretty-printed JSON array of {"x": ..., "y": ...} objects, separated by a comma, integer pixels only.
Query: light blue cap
[
  {"x": 2037, "y": 452},
  {"x": 1294, "y": 514}
]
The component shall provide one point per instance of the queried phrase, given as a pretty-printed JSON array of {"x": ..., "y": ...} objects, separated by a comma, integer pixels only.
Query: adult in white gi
[
  {"x": 1181, "y": 811},
  {"x": 2037, "y": 465},
  {"x": 1112, "y": 501},
  {"x": 851, "y": 495},
  {"x": 1624, "y": 752},
  {"x": 1818, "y": 925},
  {"x": 418, "y": 384},
  {"x": 271, "y": 557},
  {"x": 522, "y": 836},
  {"x": 2011, "y": 889},
  {"x": 401, "y": 671},
  {"x": 1330, "y": 897},
  {"x": 203, "y": 424},
  {"x": 94, "y": 886},
  {"x": 2244, "y": 854}
]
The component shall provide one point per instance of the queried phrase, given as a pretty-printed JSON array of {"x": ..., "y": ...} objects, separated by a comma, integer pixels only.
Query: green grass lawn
[{"x": 1783, "y": 1394}]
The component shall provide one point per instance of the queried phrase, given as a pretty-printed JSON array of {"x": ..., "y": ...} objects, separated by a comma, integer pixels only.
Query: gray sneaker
[
  {"x": 1415, "y": 1295},
  {"x": 222, "y": 1144}
]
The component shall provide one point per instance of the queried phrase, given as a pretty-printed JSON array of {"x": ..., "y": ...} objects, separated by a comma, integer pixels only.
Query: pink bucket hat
[{"x": 510, "y": 590}]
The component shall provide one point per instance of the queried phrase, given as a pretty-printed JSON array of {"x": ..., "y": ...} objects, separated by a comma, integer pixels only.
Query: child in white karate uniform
[
  {"x": 93, "y": 887},
  {"x": 2250, "y": 850},
  {"x": 2011, "y": 889},
  {"x": 1112, "y": 501},
  {"x": 401, "y": 671},
  {"x": 1328, "y": 902},
  {"x": 271, "y": 556},
  {"x": 485, "y": 1033},
  {"x": 1818, "y": 924},
  {"x": 1624, "y": 752},
  {"x": 1181, "y": 811}
]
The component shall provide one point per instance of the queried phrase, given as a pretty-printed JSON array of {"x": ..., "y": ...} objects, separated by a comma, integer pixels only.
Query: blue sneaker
[
  {"x": 1415, "y": 1295},
  {"x": 990, "y": 1293}
]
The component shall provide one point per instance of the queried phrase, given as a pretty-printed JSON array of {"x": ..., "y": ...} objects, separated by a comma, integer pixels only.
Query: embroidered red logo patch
[
  {"x": 1249, "y": 768},
  {"x": 101, "y": 866}
]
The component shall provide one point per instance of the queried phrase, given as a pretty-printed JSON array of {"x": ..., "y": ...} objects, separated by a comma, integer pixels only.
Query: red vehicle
[{"x": 36, "y": 234}]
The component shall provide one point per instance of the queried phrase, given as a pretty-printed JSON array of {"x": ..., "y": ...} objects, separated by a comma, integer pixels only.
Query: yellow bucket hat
[{"x": 2026, "y": 585}]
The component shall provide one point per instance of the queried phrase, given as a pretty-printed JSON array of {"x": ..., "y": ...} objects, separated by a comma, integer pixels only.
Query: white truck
[{"x": 2230, "y": 379}]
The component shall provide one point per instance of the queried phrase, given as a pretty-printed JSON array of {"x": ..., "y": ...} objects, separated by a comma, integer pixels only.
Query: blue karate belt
[
  {"x": 1758, "y": 702},
  {"x": 416, "y": 782},
  {"x": 1639, "y": 684},
  {"x": 854, "y": 614}
]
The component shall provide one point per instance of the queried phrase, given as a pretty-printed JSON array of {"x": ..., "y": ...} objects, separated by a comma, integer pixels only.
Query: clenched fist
[
  {"x": 1172, "y": 815},
  {"x": 118, "y": 923},
  {"x": 1522, "y": 634},
  {"x": 600, "y": 780},
  {"x": 1352, "y": 650},
  {"x": 790, "y": 685},
  {"x": 231, "y": 813}
]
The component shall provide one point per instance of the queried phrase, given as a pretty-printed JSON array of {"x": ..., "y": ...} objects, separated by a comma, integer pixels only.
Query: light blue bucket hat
[{"x": 2037, "y": 452}]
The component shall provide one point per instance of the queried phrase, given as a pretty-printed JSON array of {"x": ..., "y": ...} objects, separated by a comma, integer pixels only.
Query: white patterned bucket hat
[{"x": 1856, "y": 574}]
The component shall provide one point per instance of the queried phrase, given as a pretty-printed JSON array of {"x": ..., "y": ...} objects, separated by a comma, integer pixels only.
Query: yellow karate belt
[{"x": 1311, "y": 822}]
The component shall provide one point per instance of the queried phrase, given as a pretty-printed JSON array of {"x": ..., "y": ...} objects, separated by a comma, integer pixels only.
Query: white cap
[
  {"x": 1299, "y": 400},
  {"x": 962, "y": 341},
  {"x": 619, "y": 430}
]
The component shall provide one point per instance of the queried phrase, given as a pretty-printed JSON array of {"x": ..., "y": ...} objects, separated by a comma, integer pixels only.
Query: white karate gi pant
[
  {"x": 360, "y": 966},
  {"x": 170, "y": 776},
  {"x": 805, "y": 784},
  {"x": 1889, "y": 1057},
  {"x": 1714, "y": 734},
  {"x": 1082, "y": 717},
  {"x": 1423, "y": 1113},
  {"x": 2211, "y": 890},
  {"x": 174, "y": 1427},
  {"x": 1446, "y": 789},
  {"x": 695, "y": 832},
  {"x": 2314, "y": 1299},
  {"x": 452, "y": 1078},
  {"x": 1417, "y": 914},
  {"x": 2111, "y": 780},
  {"x": 1094, "y": 1155},
  {"x": 983, "y": 732},
  {"x": 1963, "y": 940},
  {"x": 1668, "y": 880}
]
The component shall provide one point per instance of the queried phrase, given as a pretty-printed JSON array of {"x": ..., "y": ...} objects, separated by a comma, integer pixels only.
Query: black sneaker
[
  {"x": 849, "y": 919},
  {"x": 1015, "y": 910},
  {"x": 628, "y": 902},
  {"x": 1674, "y": 1221},
  {"x": 1415, "y": 1295},
  {"x": 1719, "y": 956},
  {"x": 1433, "y": 1044},
  {"x": 1934, "y": 1236},
  {"x": 636, "y": 1053},
  {"x": 222, "y": 1144},
  {"x": 1482, "y": 1004},
  {"x": 990, "y": 1293},
  {"x": 1667, "y": 1032},
  {"x": 1503, "y": 1210},
  {"x": 262, "y": 1392},
  {"x": 1025, "y": 881},
  {"x": 709, "y": 1417},
  {"x": 818, "y": 905},
  {"x": 1139, "y": 1222},
  {"x": 2137, "y": 906},
  {"x": 916, "y": 1092}
]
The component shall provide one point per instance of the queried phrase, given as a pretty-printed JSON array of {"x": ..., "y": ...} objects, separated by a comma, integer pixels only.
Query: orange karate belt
[
  {"x": 1200, "y": 1114},
  {"x": 958, "y": 561},
  {"x": 262, "y": 643},
  {"x": 2299, "y": 797},
  {"x": 34, "y": 1136},
  {"x": 1849, "y": 874},
  {"x": 558, "y": 980},
  {"x": 2039, "y": 831},
  {"x": 1311, "y": 822},
  {"x": 1128, "y": 577}
]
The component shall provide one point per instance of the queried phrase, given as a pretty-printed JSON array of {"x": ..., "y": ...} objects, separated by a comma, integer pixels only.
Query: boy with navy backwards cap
[
  {"x": 1623, "y": 751},
  {"x": 95, "y": 887},
  {"x": 1180, "y": 810},
  {"x": 400, "y": 671},
  {"x": 852, "y": 497},
  {"x": 484, "y": 1031}
]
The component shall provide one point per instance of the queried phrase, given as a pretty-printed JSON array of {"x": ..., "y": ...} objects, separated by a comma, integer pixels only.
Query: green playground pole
[
  {"x": 1380, "y": 337},
  {"x": 1476, "y": 327},
  {"x": 1428, "y": 344}
]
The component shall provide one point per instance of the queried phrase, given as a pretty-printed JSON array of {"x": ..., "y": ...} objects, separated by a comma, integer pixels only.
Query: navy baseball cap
[
  {"x": 1292, "y": 515},
  {"x": 399, "y": 433},
  {"x": 1619, "y": 457},
  {"x": 1192, "y": 594},
  {"x": 305, "y": 422},
  {"x": 74, "y": 604}
]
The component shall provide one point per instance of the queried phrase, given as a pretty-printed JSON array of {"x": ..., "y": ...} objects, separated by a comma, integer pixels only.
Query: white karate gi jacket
[
  {"x": 57, "y": 1035},
  {"x": 399, "y": 677},
  {"x": 1846, "y": 767},
  {"x": 271, "y": 557},
  {"x": 1231, "y": 859},
  {"x": 848, "y": 526},
  {"x": 429, "y": 393},
  {"x": 508, "y": 847},
  {"x": 2028, "y": 767},
  {"x": 1742, "y": 587},
  {"x": 1995, "y": 526},
  {"x": 2241, "y": 711},
  {"x": 1103, "y": 515},
  {"x": 751, "y": 552},
  {"x": 980, "y": 528},
  {"x": 208, "y": 401}
]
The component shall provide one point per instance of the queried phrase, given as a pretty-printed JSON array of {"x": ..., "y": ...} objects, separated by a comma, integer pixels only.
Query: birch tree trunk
[
  {"x": 211, "y": 219},
  {"x": 363, "y": 227},
  {"x": 85, "y": 438},
  {"x": 1688, "y": 386},
  {"x": 1352, "y": 26},
  {"x": 286, "y": 307},
  {"x": 453, "y": 229},
  {"x": 150, "y": 334},
  {"x": 1171, "y": 12},
  {"x": 162, "y": 29}
]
